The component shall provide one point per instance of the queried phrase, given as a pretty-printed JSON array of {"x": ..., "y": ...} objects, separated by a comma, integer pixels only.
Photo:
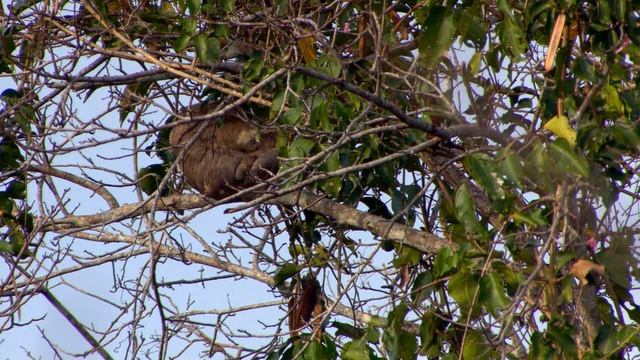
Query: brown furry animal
[{"x": 228, "y": 156}]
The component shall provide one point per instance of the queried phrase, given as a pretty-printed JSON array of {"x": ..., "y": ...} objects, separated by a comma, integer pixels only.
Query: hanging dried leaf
[
  {"x": 554, "y": 42},
  {"x": 362, "y": 42},
  {"x": 304, "y": 304}
]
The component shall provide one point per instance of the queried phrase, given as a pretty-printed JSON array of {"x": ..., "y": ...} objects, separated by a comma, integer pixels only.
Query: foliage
[{"x": 467, "y": 192}]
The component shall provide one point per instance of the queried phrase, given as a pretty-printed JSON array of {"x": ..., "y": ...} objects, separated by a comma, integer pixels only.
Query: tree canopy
[{"x": 457, "y": 179}]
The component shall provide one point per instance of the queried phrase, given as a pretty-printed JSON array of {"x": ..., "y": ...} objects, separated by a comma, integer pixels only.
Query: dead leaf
[
  {"x": 554, "y": 42},
  {"x": 304, "y": 304},
  {"x": 307, "y": 49},
  {"x": 581, "y": 268},
  {"x": 362, "y": 42}
]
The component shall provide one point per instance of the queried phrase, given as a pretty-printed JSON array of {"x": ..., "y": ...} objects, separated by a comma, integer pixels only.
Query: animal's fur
[{"x": 228, "y": 156}]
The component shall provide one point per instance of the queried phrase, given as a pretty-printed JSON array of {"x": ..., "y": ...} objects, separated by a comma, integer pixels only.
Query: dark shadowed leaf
[
  {"x": 463, "y": 288},
  {"x": 567, "y": 159},
  {"x": 492, "y": 293},
  {"x": 437, "y": 36}
]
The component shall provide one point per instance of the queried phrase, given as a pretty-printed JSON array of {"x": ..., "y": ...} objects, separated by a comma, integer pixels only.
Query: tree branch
[
  {"x": 385, "y": 229},
  {"x": 75, "y": 323},
  {"x": 95, "y": 187},
  {"x": 444, "y": 133}
]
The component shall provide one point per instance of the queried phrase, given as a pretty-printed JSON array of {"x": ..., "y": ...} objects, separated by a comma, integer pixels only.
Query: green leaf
[
  {"x": 564, "y": 336},
  {"x": 512, "y": 37},
  {"x": 466, "y": 212},
  {"x": 332, "y": 186},
  {"x": 221, "y": 31},
  {"x": 540, "y": 349},
  {"x": 566, "y": 290},
  {"x": 407, "y": 256},
  {"x": 612, "y": 102},
  {"x": 606, "y": 340},
  {"x": 10, "y": 156},
  {"x": 399, "y": 343},
  {"x": 330, "y": 348},
  {"x": 512, "y": 168},
  {"x": 430, "y": 327},
  {"x": 315, "y": 351},
  {"x": 329, "y": 65},
  {"x": 277, "y": 105},
  {"x": 301, "y": 147},
  {"x": 228, "y": 6},
  {"x": 564, "y": 257},
  {"x": 444, "y": 262},
  {"x": 618, "y": 259},
  {"x": 567, "y": 159},
  {"x": 532, "y": 218},
  {"x": 584, "y": 69},
  {"x": 150, "y": 177},
  {"x": 16, "y": 190},
  {"x": 481, "y": 167},
  {"x": 292, "y": 116},
  {"x": 463, "y": 287},
  {"x": 436, "y": 36},
  {"x": 252, "y": 70},
  {"x": 559, "y": 126},
  {"x": 320, "y": 115},
  {"x": 492, "y": 293},
  {"x": 5, "y": 247},
  {"x": 539, "y": 167},
  {"x": 201, "y": 44},
  {"x": 474, "y": 64},
  {"x": 475, "y": 346},
  {"x": 193, "y": 6},
  {"x": 285, "y": 272},
  {"x": 513, "y": 278},
  {"x": 348, "y": 330},
  {"x": 182, "y": 42},
  {"x": 355, "y": 350},
  {"x": 213, "y": 50},
  {"x": 420, "y": 290},
  {"x": 626, "y": 134}
]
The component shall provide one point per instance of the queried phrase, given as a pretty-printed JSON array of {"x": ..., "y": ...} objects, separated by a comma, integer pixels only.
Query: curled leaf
[
  {"x": 554, "y": 42},
  {"x": 581, "y": 269},
  {"x": 559, "y": 126}
]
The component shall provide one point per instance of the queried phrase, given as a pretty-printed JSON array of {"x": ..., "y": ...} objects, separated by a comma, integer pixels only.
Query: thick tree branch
[
  {"x": 95, "y": 187},
  {"x": 398, "y": 233},
  {"x": 385, "y": 229}
]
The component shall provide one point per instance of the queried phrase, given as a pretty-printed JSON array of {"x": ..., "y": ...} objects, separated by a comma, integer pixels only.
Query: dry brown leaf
[
  {"x": 556, "y": 35},
  {"x": 303, "y": 304},
  {"x": 404, "y": 275},
  {"x": 307, "y": 49},
  {"x": 581, "y": 268},
  {"x": 362, "y": 42}
]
